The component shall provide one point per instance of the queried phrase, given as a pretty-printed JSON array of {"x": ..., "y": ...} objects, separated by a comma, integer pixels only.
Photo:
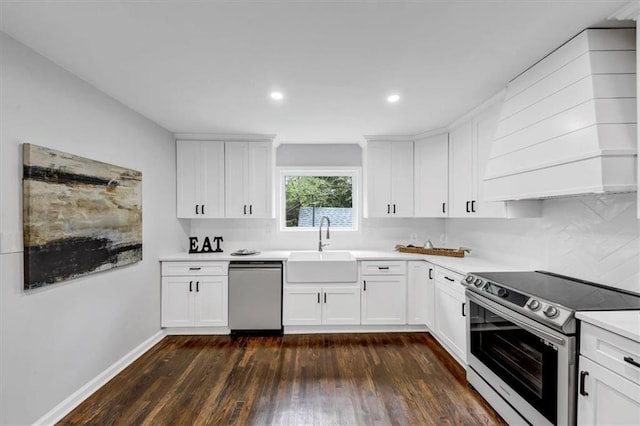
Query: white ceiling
[{"x": 209, "y": 66}]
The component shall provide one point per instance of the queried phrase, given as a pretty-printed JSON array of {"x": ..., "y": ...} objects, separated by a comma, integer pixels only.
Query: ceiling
[{"x": 209, "y": 66}]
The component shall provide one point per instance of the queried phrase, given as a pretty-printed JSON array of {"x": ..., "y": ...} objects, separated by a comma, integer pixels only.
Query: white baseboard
[
  {"x": 320, "y": 329},
  {"x": 197, "y": 331},
  {"x": 71, "y": 402}
]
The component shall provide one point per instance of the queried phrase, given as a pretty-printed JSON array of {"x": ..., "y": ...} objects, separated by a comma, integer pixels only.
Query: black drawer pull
[
  {"x": 382, "y": 268},
  {"x": 195, "y": 268},
  {"x": 197, "y": 286},
  {"x": 365, "y": 285},
  {"x": 430, "y": 273},
  {"x": 583, "y": 377},
  {"x": 190, "y": 286},
  {"x": 632, "y": 361},
  {"x": 325, "y": 298},
  {"x": 318, "y": 297},
  {"x": 447, "y": 278}
]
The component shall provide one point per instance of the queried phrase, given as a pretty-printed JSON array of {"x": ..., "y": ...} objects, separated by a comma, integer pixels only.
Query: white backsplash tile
[{"x": 593, "y": 238}]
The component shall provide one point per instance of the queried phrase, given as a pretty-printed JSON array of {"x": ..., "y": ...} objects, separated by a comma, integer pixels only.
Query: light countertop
[
  {"x": 464, "y": 265},
  {"x": 624, "y": 323}
]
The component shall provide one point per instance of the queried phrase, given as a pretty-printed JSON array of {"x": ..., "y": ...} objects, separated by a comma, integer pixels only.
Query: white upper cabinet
[
  {"x": 469, "y": 148},
  {"x": 431, "y": 177},
  {"x": 200, "y": 179},
  {"x": 389, "y": 179},
  {"x": 248, "y": 179}
]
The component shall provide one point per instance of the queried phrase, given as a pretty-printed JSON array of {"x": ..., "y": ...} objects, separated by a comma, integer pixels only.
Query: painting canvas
[{"x": 80, "y": 216}]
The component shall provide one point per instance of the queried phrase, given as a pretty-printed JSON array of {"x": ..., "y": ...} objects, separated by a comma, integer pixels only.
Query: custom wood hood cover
[{"x": 568, "y": 123}]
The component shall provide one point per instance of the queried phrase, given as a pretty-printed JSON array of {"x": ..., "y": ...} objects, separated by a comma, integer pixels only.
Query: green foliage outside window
[{"x": 315, "y": 191}]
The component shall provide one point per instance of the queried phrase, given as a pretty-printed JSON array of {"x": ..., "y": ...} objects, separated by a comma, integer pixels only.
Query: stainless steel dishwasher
[{"x": 255, "y": 297}]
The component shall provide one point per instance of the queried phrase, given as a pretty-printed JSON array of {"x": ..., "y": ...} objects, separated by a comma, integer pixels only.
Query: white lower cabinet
[
  {"x": 450, "y": 321},
  {"x": 329, "y": 305},
  {"x": 193, "y": 299},
  {"x": 384, "y": 292},
  {"x": 419, "y": 293},
  {"x": 609, "y": 378}
]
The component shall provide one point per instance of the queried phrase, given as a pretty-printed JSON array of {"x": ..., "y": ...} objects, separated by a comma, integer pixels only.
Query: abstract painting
[{"x": 80, "y": 216}]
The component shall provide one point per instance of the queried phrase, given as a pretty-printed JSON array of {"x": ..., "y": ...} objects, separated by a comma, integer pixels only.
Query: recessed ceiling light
[
  {"x": 277, "y": 96},
  {"x": 393, "y": 98}
]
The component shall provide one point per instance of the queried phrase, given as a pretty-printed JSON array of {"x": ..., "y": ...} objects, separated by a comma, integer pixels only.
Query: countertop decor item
[
  {"x": 244, "y": 252},
  {"x": 436, "y": 251},
  {"x": 80, "y": 216}
]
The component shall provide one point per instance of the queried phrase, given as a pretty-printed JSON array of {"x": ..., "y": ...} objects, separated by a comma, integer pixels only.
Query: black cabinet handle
[
  {"x": 583, "y": 376},
  {"x": 365, "y": 285},
  {"x": 463, "y": 305},
  {"x": 394, "y": 209},
  {"x": 318, "y": 297},
  {"x": 203, "y": 209},
  {"x": 197, "y": 209},
  {"x": 190, "y": 286},
  {"x": 468, "y": 211},
  {"x": 430, "y": 273},
  {"x": 250, "y": 208},
  {"x": 197, "y": 286},
  {"x": 245, "y": 209},
  {"x": 383, "y": 267},
  {"x": 443, "y": 208},
  {"x": 388, "y": 208},
  {"x": 473, "y": 206},
  {"x": 447, "y": 278},
  {"x": 632, "y": 361},
  {"x": 194, "y": 268},
  {"x": 325, "y": 298}
]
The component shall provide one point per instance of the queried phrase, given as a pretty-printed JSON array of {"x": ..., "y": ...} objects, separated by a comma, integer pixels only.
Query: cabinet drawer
[
  {"x": 378, "y": 267},
  {"x": 194, "y": 268},
  {"x": 610, "y": 350},
  {"x": 446, "y": 275}
]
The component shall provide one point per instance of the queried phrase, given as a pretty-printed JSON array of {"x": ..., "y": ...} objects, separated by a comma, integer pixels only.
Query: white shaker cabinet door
[
  {"x": 177, "y": 301},
  {"x": 417, "y": 278},
  {"x": 236, "y": 179},
  {"x": 302, "y": 305},
  {"x": 341, "y": 305},
  {"x": 606, "y": 398},
  {"x": 378, "y": 181},
  {"x": 211, "y": 301},
  {"x": 450, "y": 320},
  {"x": 461, "y": 170},
  {"x": 431, "y": 169},
  {"x": 259, "y": 186},
  {"x": 402, "y": 179},
  {"x": 384, "y": 299},
  {"x": 212, "y": 180}
]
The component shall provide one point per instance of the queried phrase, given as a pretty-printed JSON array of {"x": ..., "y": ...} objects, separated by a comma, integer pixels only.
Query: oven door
[{"x": 526, "y": 363}]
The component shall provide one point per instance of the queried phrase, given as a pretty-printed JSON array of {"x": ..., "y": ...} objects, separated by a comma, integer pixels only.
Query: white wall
[
  {"x": 595, "y": 238},
  {"x": 55, "y": 339}
]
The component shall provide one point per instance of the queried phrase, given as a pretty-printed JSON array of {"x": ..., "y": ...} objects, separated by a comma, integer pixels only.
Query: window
[{"x": 307, "y": 195}]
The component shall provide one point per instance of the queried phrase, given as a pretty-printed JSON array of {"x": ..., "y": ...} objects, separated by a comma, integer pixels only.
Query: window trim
[{"x": 356, "y": 184}]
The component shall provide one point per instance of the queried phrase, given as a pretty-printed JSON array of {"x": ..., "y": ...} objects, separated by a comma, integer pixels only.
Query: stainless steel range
[{"x": 522, "y": 352}]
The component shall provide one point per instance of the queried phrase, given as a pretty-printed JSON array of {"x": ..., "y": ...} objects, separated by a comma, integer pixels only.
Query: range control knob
[
  {"x": 503, "y": 292},
  {"x": 534, "y": 305},
  {"x": 478, "y": 282},
  {"x": 551, "y": 312},
  {"x": 469, "y": 279}
]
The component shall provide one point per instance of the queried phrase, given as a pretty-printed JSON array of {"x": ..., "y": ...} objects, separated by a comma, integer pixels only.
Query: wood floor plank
[{"x": 336, "y": 379}]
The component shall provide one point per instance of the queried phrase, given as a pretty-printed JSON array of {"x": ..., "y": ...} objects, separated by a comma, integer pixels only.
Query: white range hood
[{"x": 568, "y": 124}]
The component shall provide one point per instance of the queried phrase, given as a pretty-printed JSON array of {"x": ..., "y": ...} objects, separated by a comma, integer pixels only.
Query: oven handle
[{"x": 502, "y": 311}]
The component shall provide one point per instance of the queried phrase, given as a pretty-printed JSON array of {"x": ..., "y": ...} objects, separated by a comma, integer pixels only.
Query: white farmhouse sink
[{"x": 321, "y": 267}]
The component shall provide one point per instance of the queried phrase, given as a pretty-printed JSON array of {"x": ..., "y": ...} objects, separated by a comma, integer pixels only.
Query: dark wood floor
[{"x": 337, "y": 379}]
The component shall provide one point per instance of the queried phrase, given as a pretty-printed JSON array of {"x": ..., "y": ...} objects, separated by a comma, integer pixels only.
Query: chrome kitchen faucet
[{"x": 320, "y": 245}]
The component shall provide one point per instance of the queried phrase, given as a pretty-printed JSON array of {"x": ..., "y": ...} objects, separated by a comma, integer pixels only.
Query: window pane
[{"x": 308, "y": 198}]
